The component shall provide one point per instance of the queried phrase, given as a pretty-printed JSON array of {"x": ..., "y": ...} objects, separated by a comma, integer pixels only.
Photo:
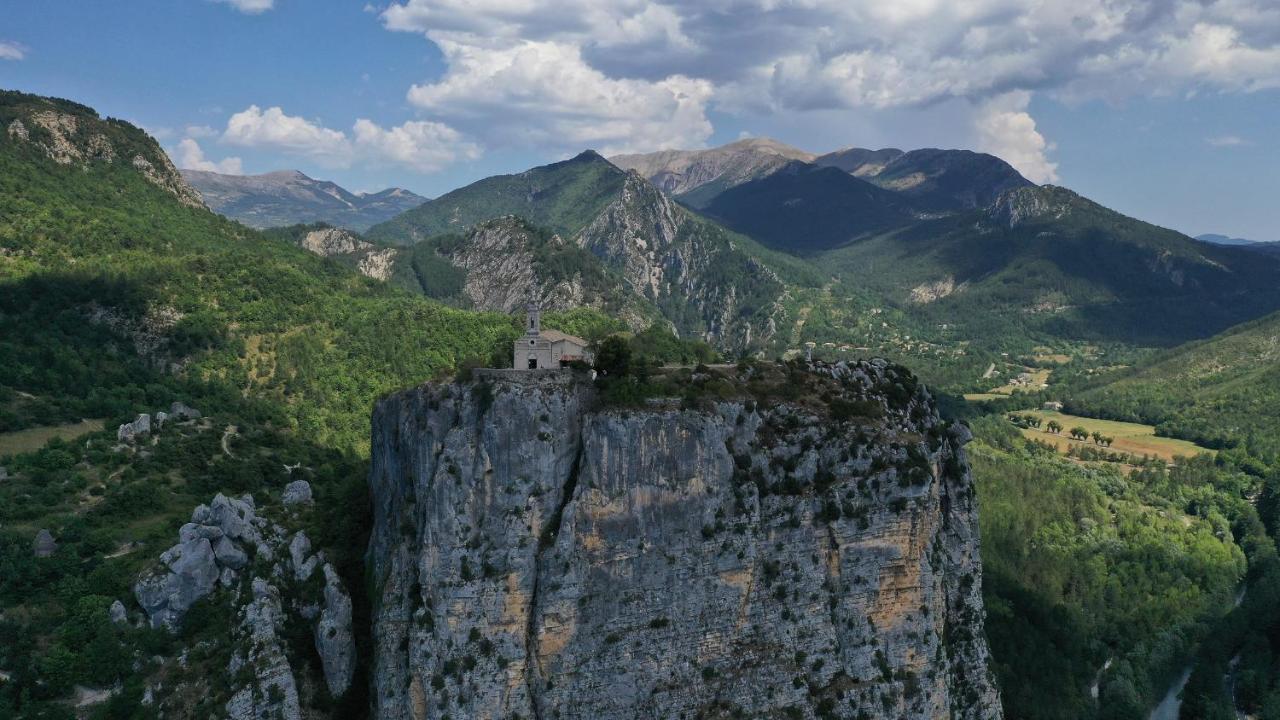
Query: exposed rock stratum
[{"x": 800, "y": 541}]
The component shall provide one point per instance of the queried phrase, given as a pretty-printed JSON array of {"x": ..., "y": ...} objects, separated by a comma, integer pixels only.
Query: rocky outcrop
[
  {"x": 378, "y": 264},
  {"x": 297, "y": 492},
  {"x": 44, "y": 545},
  {"x": 210, "y": 549},
  {"x": 327, "y": 242},
  {"x": 273, "y": 692},
  {"x": 806, "y": 550},
  {"x": 677, "y": 261},
  {"x": 334, "y": 639},
  {"x": 264, "y": 573},
  {"x": 1022, "y": 205},
  {"x": 130, "y": 432},
  {"x": 71, "y": 134}
]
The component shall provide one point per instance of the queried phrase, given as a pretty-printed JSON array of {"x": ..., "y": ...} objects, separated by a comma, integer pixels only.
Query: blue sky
[{"x": 1162, "y": 109}]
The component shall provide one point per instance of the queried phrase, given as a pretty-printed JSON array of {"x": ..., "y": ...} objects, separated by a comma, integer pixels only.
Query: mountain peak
[{"x": 290, "y": 197}]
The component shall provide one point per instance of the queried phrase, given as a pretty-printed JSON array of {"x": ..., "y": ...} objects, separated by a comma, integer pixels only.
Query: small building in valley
[
  {"x": 542, "y": 349},
  {"x": 1053, "y": 406}
]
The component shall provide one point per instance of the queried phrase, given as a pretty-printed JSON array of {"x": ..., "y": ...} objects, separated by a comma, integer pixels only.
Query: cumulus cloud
[
  {"x": 12, "y": 51},
  {"x": 1005, "y": 129},
  {"x": 649, "y": 73},
  {"x": 250, "y": 7},
  {"x": 191, "y": 157},
  {"x": 545, "y": 93},
  {"x": 271, "y": 128},
  {"x": 422, "y": 146},
  {"x": 417, "y": 145}
]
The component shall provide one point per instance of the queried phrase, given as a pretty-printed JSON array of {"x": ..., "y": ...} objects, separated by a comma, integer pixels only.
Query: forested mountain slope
[
  {"x": 1045, "y": 259},
  {"x": 1219, "y": 391},
  {"x": 111, "y": 271},
  {"x": 707, "y": 283}
]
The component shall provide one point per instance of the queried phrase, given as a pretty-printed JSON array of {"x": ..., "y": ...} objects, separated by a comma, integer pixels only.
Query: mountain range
[
  {"x": 288, "y": 197},
  {"x": 600, "y": 230},
  {"x": 824, "y": 509},
  {"x": 961, "y": 237}
]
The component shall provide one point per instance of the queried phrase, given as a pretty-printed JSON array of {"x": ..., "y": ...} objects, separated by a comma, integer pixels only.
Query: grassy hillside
[
  {"x": 1222, "y": 391},
  {"x": 562, "y": 197}
]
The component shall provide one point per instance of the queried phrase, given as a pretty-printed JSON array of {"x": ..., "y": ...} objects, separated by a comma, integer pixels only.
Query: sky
[{"x": 1162, "y": 109}]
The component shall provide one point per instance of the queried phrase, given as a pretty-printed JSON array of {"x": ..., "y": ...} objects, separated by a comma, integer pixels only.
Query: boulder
[
  {"x": 167, "y": 595},
  {"x": 235, "y": 517},
  {"x": 304, "y": 563},
  {"x": 229, "y": 555},
  {"x": 179, "y": 411},
  {"x": 335, "y": 642},
  {"x": 4, "y": 473},
  {"x": 297, "y": 492},
  {"x": 44, "y": 544},
  {"x": 117, "y": 613},
  {"x": 130, "y": 432},
  {"x": 160, "y": 419}
]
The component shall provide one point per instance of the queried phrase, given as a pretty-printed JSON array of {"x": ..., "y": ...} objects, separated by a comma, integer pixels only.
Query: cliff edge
[{"x": 784, "y": 541}]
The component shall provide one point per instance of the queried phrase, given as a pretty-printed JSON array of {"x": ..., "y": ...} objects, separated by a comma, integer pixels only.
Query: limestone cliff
[
  {"x": 787, "y": 541},
  {"x": 74, "y": 135}
]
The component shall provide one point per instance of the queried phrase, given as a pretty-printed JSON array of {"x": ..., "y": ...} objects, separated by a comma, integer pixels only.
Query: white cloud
[
  {"x": 1227, "y": 141},
  {"x": 420, "y": 146},
  {"x": 271, "y": 128},
  {"x": 1005, "y": 129},
  {"x": 250, "y": 7},
  {"x": 545, "y": 93},
  {"x": 646, "y": 73},
  {"x": 12, "y": 51},
  {"x": 191, "y": 157}
]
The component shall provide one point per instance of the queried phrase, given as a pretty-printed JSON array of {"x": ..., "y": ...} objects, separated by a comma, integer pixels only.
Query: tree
[
  {"x": 613, "y": 357},
  {"x": 1079, "y": 433},
  {"x": 1097, "y": 437},
  {"x": 1054, "y": 427}
]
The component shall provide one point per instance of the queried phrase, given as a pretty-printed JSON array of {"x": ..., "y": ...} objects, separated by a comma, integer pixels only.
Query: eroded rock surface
[{"x": 536, "y": 557}]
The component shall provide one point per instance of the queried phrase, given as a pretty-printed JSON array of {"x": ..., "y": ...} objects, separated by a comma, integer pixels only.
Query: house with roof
[{"x": 542, "y": 349}]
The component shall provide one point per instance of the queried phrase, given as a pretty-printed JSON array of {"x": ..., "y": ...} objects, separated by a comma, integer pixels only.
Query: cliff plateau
[{"x": 787, "y": 541}]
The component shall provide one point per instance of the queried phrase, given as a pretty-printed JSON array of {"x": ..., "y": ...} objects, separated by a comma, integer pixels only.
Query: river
[{"x": 1171, "y": 703}]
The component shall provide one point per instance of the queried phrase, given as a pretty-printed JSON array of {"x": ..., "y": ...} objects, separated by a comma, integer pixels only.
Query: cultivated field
[
  {"x": 1130, "y": 438},
  {"x": 22, "y": 441}
]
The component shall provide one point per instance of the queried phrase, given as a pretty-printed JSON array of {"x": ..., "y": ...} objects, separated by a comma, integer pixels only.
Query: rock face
[
  {"x": 677, "y": 261},
  {"x": 297, "y": 492},
  {"x": 334, "y": 639},
  {"x": 71, "y": 134},
  {"x": 273, "y": 694},
  {"x": 131, "y": 431},
  {"x": 44, "y": 545},
  {"x": 264, "y": 573},
  {"x": 812, "y": 553},
  {"x": 328, "y": 242}
]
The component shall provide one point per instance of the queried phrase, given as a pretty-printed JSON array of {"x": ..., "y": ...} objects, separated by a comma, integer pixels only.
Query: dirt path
[{"x": 227, "y": 434}]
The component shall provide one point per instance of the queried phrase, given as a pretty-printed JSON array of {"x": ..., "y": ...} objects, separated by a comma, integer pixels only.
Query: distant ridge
[
  {"x": 1217, "y": 239},
  {"x": 289, "y": 197}
]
